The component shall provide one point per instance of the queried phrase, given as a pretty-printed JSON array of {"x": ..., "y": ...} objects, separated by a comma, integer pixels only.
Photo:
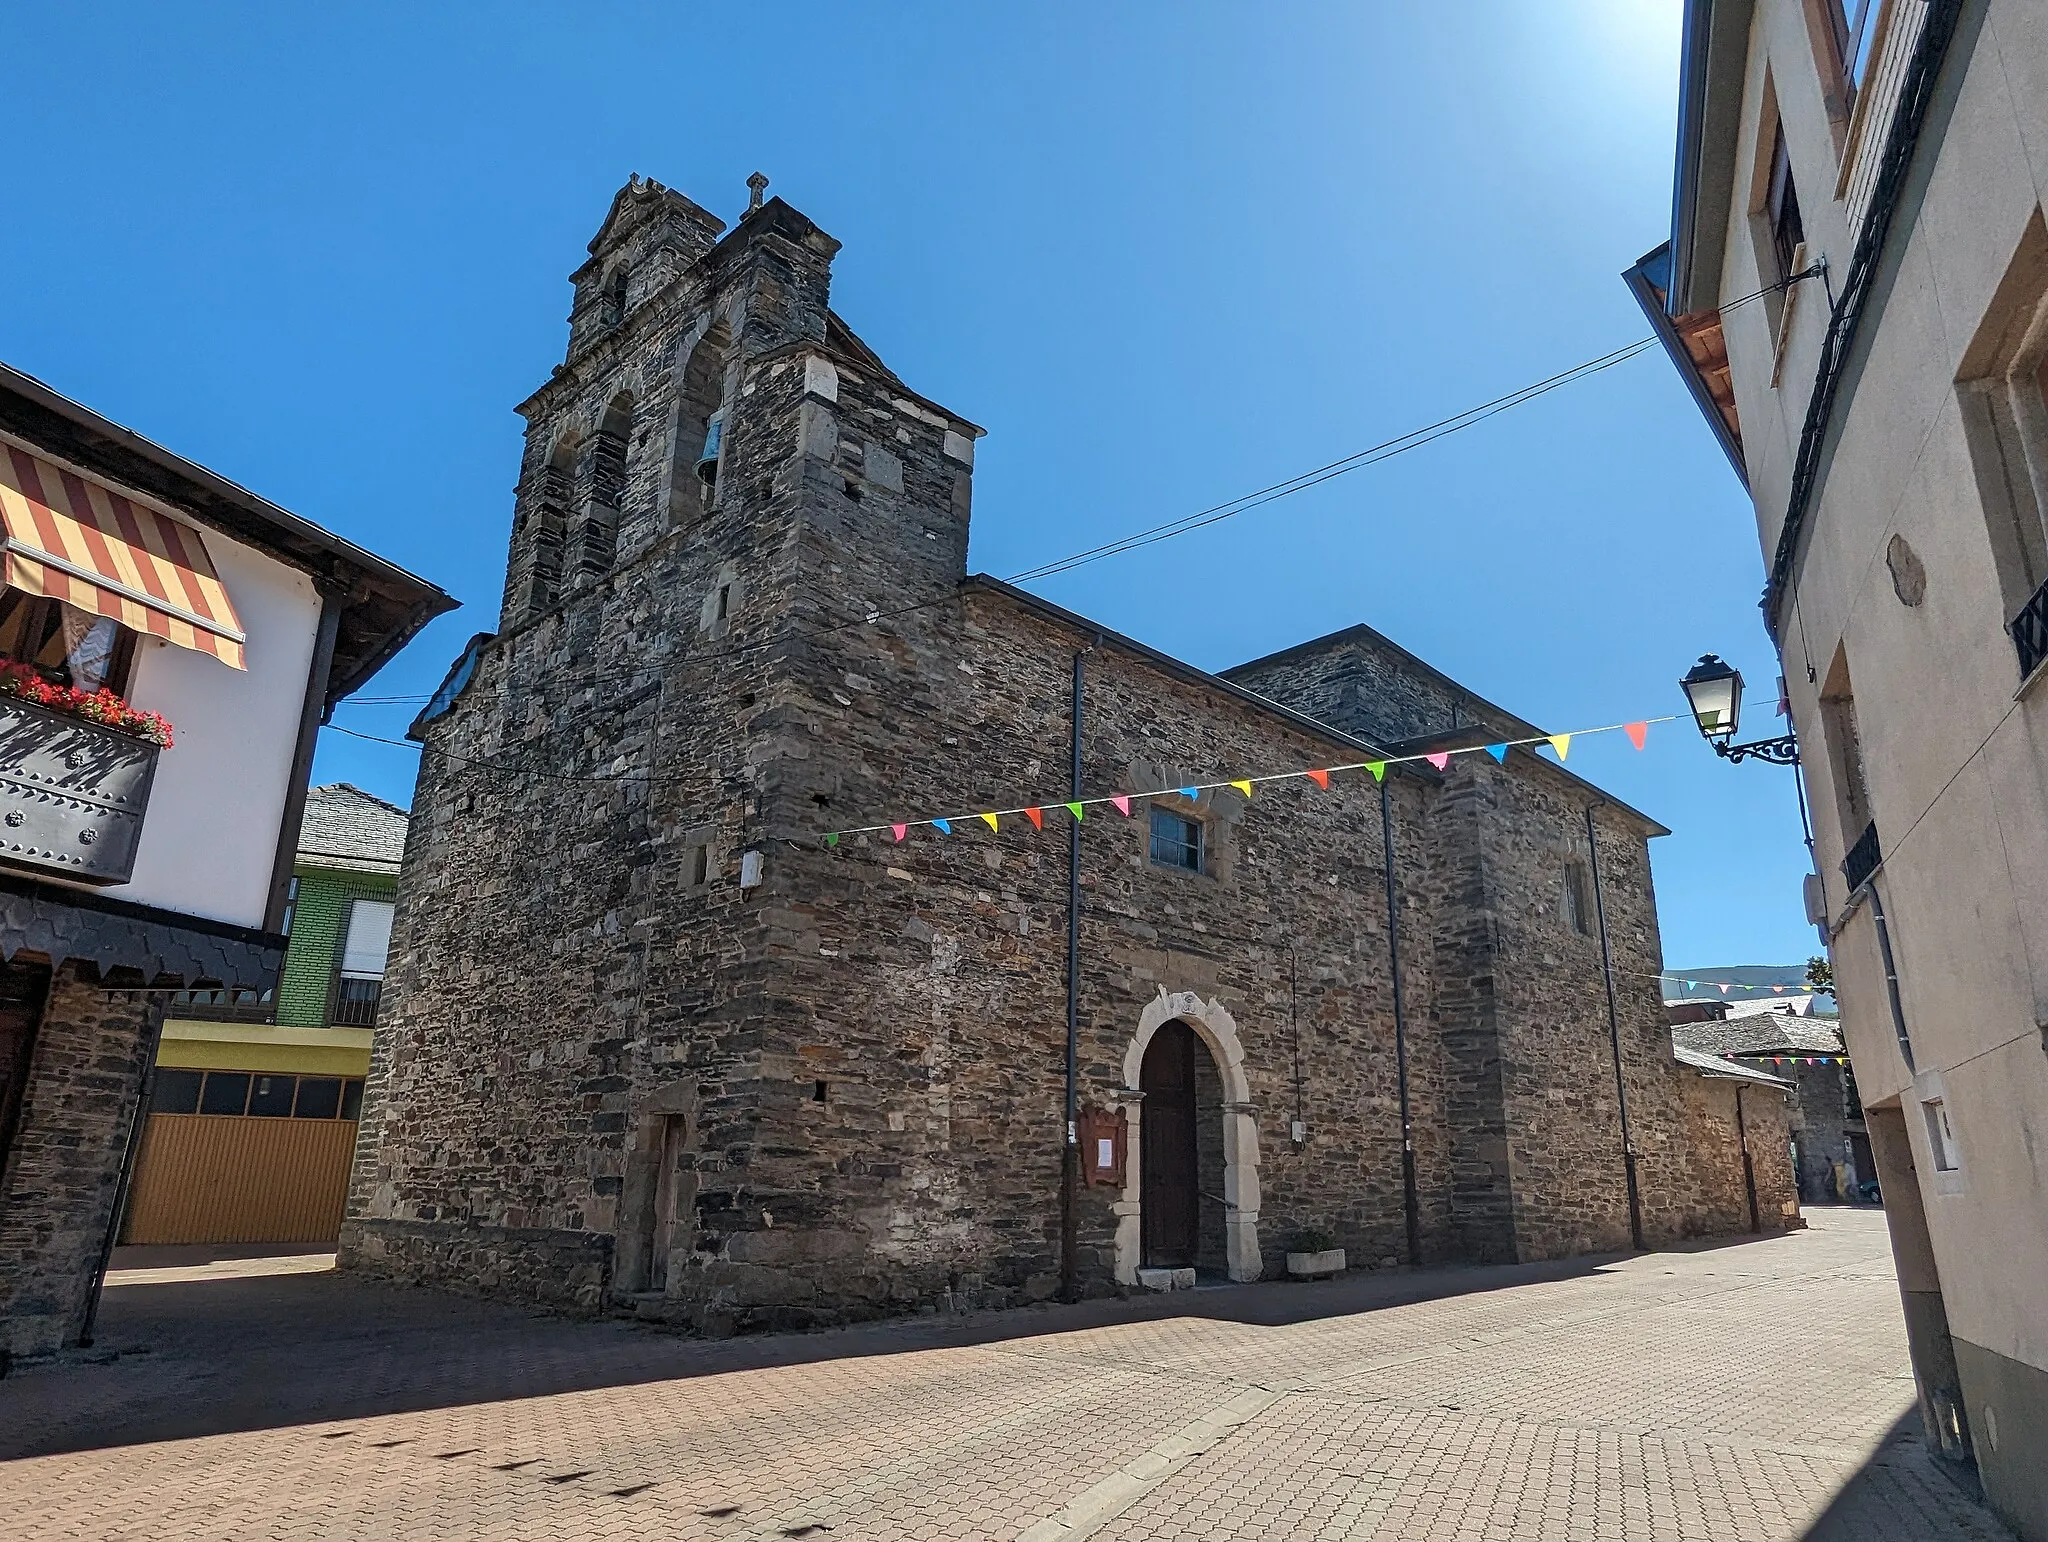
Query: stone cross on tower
[{"x": 756, "y": 186}]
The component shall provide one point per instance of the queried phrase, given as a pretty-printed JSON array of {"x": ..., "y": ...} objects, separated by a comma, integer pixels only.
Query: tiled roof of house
[
  {"x": 1762, "y": 1033},
  {"x": 348, "y": 828},
  {"x": 1714, "y": 1065}
]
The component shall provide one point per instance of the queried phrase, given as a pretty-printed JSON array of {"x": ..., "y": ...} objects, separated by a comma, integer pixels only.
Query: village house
[
  {"x": 254, "y": 1103},
  {"x": 676, "y": 1021},
  {"x": 1855, "y": 291},
  {"x": 169, "y": 645}
]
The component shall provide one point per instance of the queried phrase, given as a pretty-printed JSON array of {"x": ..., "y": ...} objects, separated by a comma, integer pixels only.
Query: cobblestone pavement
[{"x": 1746, "y": 1391}]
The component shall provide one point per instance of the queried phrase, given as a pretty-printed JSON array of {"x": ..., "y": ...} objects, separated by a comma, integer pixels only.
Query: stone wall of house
[
  {"x": 1715, "y": 1200},
  {"x": 63, "y": 1172},
  {"x": 865, "y": 1042}
]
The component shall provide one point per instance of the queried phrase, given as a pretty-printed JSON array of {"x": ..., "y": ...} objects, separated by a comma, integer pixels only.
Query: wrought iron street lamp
[{"x": 1714, "y": 690}]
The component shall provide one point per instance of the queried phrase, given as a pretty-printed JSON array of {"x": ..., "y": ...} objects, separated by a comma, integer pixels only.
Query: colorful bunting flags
[{"x": 1637, "y": 733}]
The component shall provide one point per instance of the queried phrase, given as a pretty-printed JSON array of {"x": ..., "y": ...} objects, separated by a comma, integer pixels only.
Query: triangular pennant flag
[
  {"x": 831, "y": 841},
  {"x": 1320, "y": 778},
  {"x": 1378, "y": 768},
  {"x": 1123, "y": 805},
  {"x": 1637, "y": 733},
  {"x": 1499, "y": 752},
  {"x": 1243, "y": 787},
  {"x": 1190, "y": 793},
  {"x": 1724, "y": 988},
  {"x": 1440, "y": 761},
  {"x": 1036, "y": 816},
  {"x": 1076, "y": 810},
  {"x": 1777, "y": 990},
  {"x": 1562, "y": 743},
  {"x": 900, "y": 831},
  {"x": 991, "y": 821},
  {"x": 943, "y": 826}
]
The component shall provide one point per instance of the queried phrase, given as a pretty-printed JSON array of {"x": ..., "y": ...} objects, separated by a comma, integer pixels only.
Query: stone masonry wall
[
  {"x": 57, "y": 1193},
  {"x": 1371, "y": 686}
]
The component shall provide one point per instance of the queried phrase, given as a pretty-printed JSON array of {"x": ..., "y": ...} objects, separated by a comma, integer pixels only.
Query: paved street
[{"x": 1738, "y": 1392}]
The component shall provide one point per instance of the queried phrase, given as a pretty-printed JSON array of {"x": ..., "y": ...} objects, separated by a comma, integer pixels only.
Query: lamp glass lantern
[{"x": 1714, "y": 689}]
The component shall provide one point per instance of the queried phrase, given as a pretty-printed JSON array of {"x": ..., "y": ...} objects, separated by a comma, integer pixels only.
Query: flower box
[
  {"x": 72, "y": 793},
  {"x": 1311, "y": 1266}
]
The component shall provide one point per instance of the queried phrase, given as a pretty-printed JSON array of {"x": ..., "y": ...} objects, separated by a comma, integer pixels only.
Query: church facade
[{"x": 648, "y": 1039}]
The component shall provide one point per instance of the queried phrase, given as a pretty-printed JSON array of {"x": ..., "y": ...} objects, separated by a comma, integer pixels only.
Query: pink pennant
[
  {"x": 1439, "y": 761},
  {"x": 1777, "y": 990},
  {"x": 1320, "y": 778},
  {"x": 900, "y": 831},
  {"x": 1637, "y": 733},
  {"x": 1123, "y": 806}
]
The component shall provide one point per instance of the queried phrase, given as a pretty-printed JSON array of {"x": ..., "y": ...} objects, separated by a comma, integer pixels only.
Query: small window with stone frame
[
  {"x": 1578, "y": 904},
  {"x": 1176, "y": 841}
]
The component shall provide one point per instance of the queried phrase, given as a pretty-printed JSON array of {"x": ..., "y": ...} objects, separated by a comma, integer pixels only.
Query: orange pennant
[
  {"x": 1036, "y": 816},
  {"x": 1637, "y": 733},
  {"x": 1320, "y": 778}
]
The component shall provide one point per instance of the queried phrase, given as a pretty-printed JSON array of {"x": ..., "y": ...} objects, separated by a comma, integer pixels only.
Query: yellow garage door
[{"x": 228, "y": 1178}]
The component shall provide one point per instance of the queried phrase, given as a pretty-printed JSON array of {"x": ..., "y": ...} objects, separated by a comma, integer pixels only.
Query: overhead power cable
[{"x": 1186, "y": 524}]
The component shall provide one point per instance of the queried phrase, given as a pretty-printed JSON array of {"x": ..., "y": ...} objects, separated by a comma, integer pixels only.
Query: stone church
[{"x": 650, "y": 1041}]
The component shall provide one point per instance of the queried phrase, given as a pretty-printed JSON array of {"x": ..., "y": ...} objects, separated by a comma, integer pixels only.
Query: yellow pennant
[
  {"x": 990, "y": 821},
  {"x": 1562, "y": 743},
  {"x": 1243, "y": 787}
]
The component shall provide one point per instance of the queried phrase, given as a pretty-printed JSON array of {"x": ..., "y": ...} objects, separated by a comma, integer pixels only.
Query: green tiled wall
[{"x": 319, "y": 920}]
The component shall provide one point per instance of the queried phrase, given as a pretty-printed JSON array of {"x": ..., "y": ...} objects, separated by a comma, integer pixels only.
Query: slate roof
[
  {"x": 347, "y": 828},
  {"x": 1762, "y": 1033},
  {"x": 1714, "y": 1065}
]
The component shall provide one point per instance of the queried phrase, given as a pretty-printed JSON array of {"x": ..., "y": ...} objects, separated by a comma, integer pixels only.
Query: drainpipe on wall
[
  {"x": 1748, "y": 1168},
  {"x": 1070, "y": 1159},
  {"x": 1628, "y": 1144},
  {"x": 1410, "y": 1209}
]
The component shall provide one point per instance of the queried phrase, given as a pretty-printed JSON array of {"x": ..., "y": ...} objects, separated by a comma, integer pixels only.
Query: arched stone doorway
[{"x": 1203, "y": 1101}]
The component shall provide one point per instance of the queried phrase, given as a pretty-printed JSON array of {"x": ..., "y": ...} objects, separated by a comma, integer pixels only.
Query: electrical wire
[{"x": 1170, "y": 530}]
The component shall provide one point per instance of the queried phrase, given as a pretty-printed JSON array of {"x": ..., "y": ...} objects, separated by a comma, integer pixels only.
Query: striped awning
[{"x": 78, "y": 541}]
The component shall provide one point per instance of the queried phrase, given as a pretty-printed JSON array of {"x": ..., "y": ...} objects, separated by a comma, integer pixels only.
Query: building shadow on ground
[
  {"x": 1905, "y": 1491},
  {"x": 209, "y": 1356}
]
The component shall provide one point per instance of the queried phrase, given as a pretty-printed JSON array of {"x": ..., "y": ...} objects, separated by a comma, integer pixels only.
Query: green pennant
[
  {"x": 1076, "y": 810},
  {"x": 1378, "y": 768},
  {"x": 831, "y": 841}
]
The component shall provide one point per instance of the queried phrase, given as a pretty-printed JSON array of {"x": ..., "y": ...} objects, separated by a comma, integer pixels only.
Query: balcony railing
[
  {"x": 355, "y": 1004},
  {"x": 2030, "y": 631},
  {"x": 72, "y": 794},
  {"x": 1863, "y": 859}
]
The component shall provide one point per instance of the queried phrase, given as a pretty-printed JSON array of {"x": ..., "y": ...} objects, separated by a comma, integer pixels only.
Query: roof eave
[{"x": 1713, "y": 66}]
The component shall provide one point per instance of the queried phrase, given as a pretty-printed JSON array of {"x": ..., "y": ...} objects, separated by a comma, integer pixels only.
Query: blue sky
[{"x": 1166, "y": 252}]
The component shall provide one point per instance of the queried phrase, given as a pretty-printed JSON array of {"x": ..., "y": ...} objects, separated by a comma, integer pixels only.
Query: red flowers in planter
[{"x": 101, "y": 706}]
